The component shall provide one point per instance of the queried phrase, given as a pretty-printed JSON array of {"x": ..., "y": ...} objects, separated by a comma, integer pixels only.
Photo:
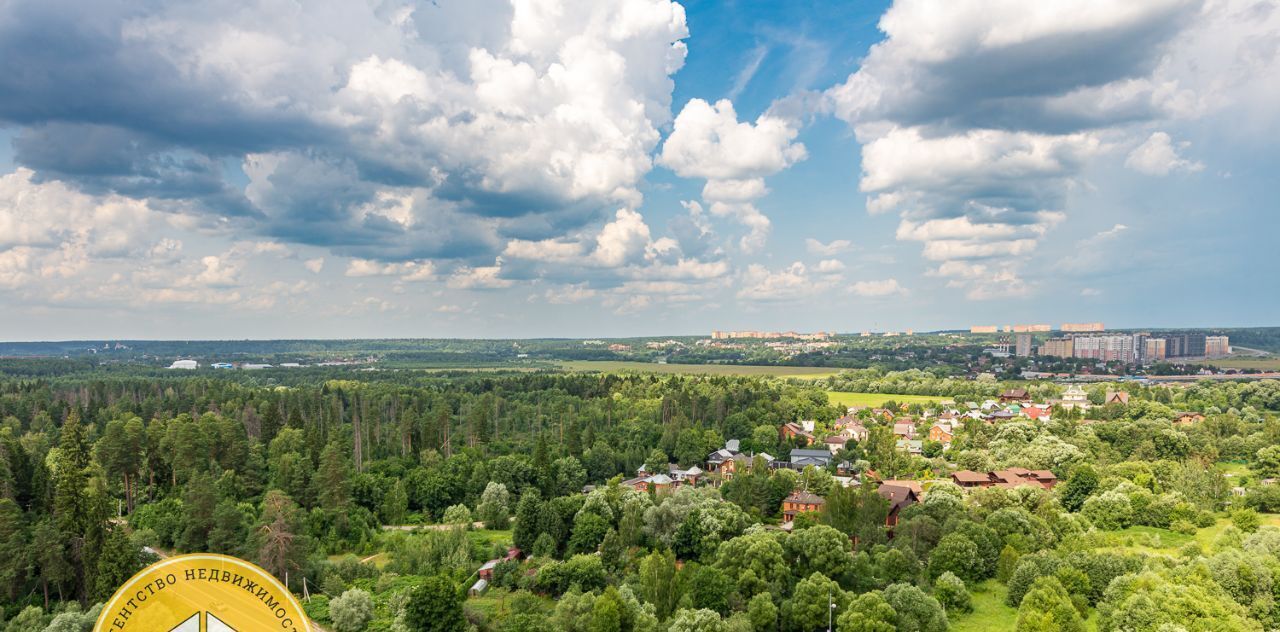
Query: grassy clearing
[
  {"x": 990, "y": 614},
  {"x": 495, "y": 602},
  {"x": 490, "y": 537},
  {"x": 1262, "y": 364},
  {"x": 606, "y": 366},
  {"x": 845, "y": 398}
]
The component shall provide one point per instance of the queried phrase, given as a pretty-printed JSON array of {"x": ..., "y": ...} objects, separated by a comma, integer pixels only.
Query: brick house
[{"x": 800, "y": 502}]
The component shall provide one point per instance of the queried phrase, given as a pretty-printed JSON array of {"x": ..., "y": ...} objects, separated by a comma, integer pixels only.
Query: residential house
[
  {"x": 835, "y": 443},
  {"x": 899, "y": 497},
  {"x": 718, "y": 458},
  {"x": 1075, "y": 397},
  {"x": 1046, "y": 478},
  {"x": 850, "y": 427},
  {"x": 915, "y": 486},
  {"x": 1116, "y": 397},
  {"x": 1188, "y": 418},
  {"x": 1018, "y": 477},
  {"x": 799, "y": 502},
  {"x": 914, "y": 447},
  {"x": 942, "y": 432},
  {"x": 905, "y": 430},
  {"x": 1001, "y": 415},
  {"x": 1036, "y": 413},
  {"x": 676, "y": 473},
  {"x": 658, "y": 483},
  {"x": 741, "y": 463},
  {"x": 969, "y": 479},
  {"x": 793, "y": 429},
  {"x": 1015, "y": 395},
  {"x": 801, "y": 458}
]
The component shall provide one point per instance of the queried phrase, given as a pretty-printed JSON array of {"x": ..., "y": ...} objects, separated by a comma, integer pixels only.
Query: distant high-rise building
[
  {"x": 1082, "y": 327},
  {"x": 1183, "y": 344},
  {"x": 1022, "y": 345},
  {"x": 1019, "y": 329},
  {"x": 1114, "y": 348},
  {"x": 1155, "y": 349},
  {"x": 1216, "y": 346},
  {"x": 1058, "y": 348},
  {"x": 984, "y": 329}
]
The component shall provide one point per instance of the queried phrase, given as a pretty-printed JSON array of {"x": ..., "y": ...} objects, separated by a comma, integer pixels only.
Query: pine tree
[
  {"x": 71, "y": 509},
  {"x": 15, "y": 552},
  {"x": 199, "y": 504},
  {"x": 526, "y": 527},
  {"x": 229, "y": 531},
  {"x": 117, "y": 561},
  {"x": 332, "y": 484}
]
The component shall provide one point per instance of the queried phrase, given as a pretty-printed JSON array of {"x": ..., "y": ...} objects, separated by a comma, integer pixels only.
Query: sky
[{"x": 586, "y": 168}]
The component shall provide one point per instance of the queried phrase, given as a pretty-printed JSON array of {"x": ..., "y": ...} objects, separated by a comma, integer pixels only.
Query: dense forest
[{"x": 379, "y": 495}]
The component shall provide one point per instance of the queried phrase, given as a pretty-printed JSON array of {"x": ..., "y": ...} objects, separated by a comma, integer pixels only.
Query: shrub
[
  {"x": 351, "y": 611},
  {"x": 1246, "y": 520},
  {"x": 952, "y": 593}
]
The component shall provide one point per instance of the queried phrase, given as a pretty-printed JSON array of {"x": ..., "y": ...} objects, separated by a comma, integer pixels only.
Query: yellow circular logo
[{"x": 202, "y": 592}]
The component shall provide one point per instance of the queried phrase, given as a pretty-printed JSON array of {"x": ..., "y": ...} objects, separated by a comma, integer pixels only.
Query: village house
[
  {"x": 1036, "y": 413},
  {"x": 899, "y": 497},
  {"x": 904, "y": 430},
  {"x": 1074, "y": 397},
  {"x": 942, "y": 432},
  {"x": 1008, "y": 478},
  {"x": 1187, "y": 419},
  {"x": 658, "y": 483},
  {"x": 850, "y": 427},
  {"x": 799, "y": 502},
  {"x": 883, "y": 413},
  {"x": 793, "y": 429},
  {"x": 915, "y": 486},
  {"x": 802, "y": 458},
  {"x": 1014, "y": 395},
  {"x": 969, "y": 479},
  {"x": 914, "y": 447},
  {"x": 1001, "y": 415},
  {"x": 1116, "y": 397},
  {"x": 835, "y": 443},
  {"x": 677, "y": 474},
  {"x": 741, "y": 463}
]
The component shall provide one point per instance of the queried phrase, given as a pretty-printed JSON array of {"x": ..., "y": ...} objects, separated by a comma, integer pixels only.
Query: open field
[
  {"x": 1262, "y": 364},
  {"x": 845, "y": 398},
  {"x": 805, "y": 372},
  {"x": 990, "y": 614}
]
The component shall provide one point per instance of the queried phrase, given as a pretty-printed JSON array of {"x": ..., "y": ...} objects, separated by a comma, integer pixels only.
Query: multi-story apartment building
[
  {"x": 1058, "y": 348},
  {"x": 1114, "y": 348},
  {"x": 1021, "y": 329},
  {"x": 1155, "y": 349},
  {"x": 1082, "y": 327},
  {"x": 1183, "y": 345},
  {"x": 1216, "y": 346},
  {"x": 1022, "y": 345},
  {"x": 984, "y": 329}
]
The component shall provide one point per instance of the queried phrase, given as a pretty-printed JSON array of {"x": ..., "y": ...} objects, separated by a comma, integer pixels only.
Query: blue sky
[{"x": 508, "y": 168}]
